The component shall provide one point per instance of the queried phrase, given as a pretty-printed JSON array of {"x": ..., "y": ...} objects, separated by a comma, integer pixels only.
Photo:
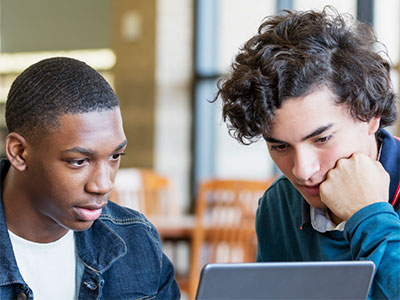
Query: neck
[{"x": 376, "y": 145}]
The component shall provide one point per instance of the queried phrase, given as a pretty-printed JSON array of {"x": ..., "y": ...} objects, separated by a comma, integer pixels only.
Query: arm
[
  {"x": 374, "y": 234},
  {"x": 168, "y": 287},
  {"x": 356, "y": 190}
]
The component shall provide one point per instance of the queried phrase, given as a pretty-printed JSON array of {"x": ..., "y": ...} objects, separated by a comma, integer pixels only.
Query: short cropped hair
[
  {"x": 293, "y": 54},
  {"x": 51, "y": 88}
]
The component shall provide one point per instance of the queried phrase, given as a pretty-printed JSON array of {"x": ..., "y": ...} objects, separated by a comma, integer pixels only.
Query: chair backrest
[
  {"x": 225, "y": 215},
  {"x": 144, "y": 190},
  {"x": 157, "y": 194},
  {"x": 128, "y": 185}
]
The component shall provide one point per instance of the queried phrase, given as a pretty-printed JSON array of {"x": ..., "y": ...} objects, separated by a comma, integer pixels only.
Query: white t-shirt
[{"x": 49, "y": 269}]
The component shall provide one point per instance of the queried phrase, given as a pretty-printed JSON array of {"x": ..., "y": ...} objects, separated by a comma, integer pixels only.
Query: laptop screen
[{"x": 289, "y": 280}]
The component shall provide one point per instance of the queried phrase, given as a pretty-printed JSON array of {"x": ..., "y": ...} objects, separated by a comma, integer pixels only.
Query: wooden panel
[{"x": 134, "y": 75}]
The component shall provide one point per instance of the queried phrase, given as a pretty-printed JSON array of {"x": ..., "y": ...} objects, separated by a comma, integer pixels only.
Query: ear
[
  {"x": 373, "y": 125},
  {"x": 16, "y": 150}
]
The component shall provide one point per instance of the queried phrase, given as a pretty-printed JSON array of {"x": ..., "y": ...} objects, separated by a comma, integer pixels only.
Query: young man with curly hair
[
  {"x": 60, "y": 236},
  {"x": 313, "y": 86}
]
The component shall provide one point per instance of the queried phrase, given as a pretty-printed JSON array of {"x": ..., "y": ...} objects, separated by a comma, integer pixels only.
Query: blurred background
[{"x": 163, "y": 58}]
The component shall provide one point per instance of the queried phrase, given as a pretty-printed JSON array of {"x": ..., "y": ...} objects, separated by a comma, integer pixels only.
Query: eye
[
  {"x": 323, "y": 140},
  {"x": 117, "y": 156},
  {"x": 78, "y": 162},
  {"x": 279, "y": 148}
]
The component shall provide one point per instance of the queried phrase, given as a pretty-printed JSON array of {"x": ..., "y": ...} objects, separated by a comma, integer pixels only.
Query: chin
[
  {"x": 315, "y": 202},
  {"x": 81, "y": 226}
]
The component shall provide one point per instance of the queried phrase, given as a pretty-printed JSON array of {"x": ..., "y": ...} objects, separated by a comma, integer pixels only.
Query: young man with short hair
[
  {"x": 60, "y": 236},
  {"x": 313, "y": 86}
]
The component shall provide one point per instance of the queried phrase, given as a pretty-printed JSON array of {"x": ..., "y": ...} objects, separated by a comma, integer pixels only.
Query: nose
[
  {"x": 305, "y": 164},
  {"x": 100, "y": 180}
]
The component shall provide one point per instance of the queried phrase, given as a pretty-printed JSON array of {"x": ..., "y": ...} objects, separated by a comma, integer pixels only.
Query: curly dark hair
[
  {"x": 53, "y": 87},
  {"x": 293, "y": 54}
]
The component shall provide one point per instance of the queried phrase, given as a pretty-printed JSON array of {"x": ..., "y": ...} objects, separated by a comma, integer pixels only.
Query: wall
[
  {"x": 133, "y": 41},
  {"x": 44, "y": 25},
  {"x": 173, "y": 108}
]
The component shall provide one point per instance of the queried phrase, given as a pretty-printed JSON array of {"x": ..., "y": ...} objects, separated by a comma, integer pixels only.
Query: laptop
[{"x": 289, "y": 280}]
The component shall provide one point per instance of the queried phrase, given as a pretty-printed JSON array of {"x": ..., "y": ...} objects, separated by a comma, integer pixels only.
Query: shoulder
[
  {"x": 122, "y": 219},
  {"x": 121, "y": 215},
  {"x": 279, "y": 201},
  {"x": 280, "y": 190},
  {"x": 279, "y": 211},
  {"x": 281, "y": 182}
]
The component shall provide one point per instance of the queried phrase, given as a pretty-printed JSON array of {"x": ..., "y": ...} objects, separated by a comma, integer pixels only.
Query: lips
[
  {"x": 89, "y": 213},
  {"x": 312, "y": 190}
]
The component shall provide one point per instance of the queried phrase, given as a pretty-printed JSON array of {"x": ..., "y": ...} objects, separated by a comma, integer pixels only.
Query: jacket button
[{"x": 22, "y": 296}]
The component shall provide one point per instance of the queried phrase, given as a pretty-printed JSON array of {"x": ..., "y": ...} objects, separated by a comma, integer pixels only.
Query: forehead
[
  {"x": 91, "y": 130},
  {"x": 302, "y": 115}
]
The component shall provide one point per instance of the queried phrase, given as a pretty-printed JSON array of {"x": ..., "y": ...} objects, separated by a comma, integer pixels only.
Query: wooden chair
[
  {"x": 225, "y": 231},
  {"x": 157, "y": 192},
  {"x": 144, "y": 190}
]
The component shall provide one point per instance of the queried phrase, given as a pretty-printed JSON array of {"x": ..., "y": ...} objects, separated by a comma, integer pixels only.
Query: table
[{"x": 175, "y": 228}]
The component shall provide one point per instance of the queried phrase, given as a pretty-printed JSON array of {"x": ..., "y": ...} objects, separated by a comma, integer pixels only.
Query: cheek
[
  {"x": 114, "y": 170},
  {"x": 326, "y": 159},
  {"x": 283, "y": 162},
  {"x": 329, "y": 158},
  {"x": 66, "y": 181}
]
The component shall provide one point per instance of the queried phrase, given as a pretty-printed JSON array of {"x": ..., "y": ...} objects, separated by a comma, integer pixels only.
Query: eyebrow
[
  {"x": 120, "y": 146},
  {"x": 89, "y": 152},
  {"x": 316, "y": 132}
]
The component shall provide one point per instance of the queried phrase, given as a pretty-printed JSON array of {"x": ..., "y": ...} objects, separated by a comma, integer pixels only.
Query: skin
[
  {"x": 329, "y": 156},
  {"x": 62, "y": 182}
]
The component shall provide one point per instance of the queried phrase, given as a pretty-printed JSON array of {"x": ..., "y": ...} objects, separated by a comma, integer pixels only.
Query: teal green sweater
[{"x": 285, "y": 234}]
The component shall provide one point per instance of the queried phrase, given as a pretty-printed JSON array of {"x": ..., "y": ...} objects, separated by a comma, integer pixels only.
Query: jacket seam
[
  {"x": 124, "y": 221},
  {"x": 98, "y": 272},
  {"x": 147, "y": 297},
  {"x": 12, "y": 282},
  {"x": 119, "y": 256}
]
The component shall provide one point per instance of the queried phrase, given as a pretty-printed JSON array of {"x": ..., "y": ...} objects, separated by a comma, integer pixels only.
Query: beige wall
[
  {"x": 48, "y": 25},
  {"x": 134, "y": 77}
]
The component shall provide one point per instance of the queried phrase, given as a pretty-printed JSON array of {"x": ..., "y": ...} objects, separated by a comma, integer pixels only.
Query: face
[
  {"x": 70, "y": 173},
  {"x": 310, "y": 134}
]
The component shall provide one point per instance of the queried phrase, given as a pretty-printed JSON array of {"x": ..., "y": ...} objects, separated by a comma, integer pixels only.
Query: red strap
[{"x": 397, "y": 194}]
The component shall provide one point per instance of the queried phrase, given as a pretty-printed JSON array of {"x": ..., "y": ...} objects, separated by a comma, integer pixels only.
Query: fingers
[{"x": 354, "y": 183}]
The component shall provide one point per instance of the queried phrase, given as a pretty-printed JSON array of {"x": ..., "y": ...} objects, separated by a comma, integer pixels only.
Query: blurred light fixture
[
  {"x": 131, "y": 26},
  {"x": 99, "y": 59}
]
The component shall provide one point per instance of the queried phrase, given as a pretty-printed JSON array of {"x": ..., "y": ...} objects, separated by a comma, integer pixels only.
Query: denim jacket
[{"x": 119, "y": 257}]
